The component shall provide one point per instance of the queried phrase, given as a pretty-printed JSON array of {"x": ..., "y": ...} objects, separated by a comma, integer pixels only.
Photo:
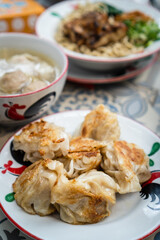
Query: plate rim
[
  {"x": 85, "y": 57},
  {"x": 59, "y": 113},
  {"x": 121, "y": 78}
]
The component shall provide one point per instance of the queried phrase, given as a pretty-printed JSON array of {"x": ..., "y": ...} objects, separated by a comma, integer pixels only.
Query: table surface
[{"x": 137, "y": 98}]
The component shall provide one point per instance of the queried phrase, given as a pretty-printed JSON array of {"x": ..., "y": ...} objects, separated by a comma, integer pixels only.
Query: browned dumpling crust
[
  {"x": 80, "y": 162},
  {"x": 78, "y": 206},
  {"x": 42, "y": 139},
  {"x": 127, "y": 164},
  {"x": 83, "y": 155},
  {"x": 83, "y": 174},
  {"x": 33, "y": 187},
  {"x": 44, "y": 185},
  {"x": 85, "y": 199},
  {"x": 81, "y": 144},
  {"x": 135, "y": 159},
  {"x": 101, "y": 124}
]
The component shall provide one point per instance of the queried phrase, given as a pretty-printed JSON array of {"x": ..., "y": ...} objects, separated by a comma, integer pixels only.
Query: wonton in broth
[{"x": 24, "y": 72}]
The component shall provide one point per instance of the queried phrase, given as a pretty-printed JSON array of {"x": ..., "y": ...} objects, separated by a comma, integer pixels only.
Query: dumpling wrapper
[
  {"x": 33, "y": 187},
  {"x": 101, "y": 124},
  {"x": 13, "y": 82},
  {"x": 36, "y": 84},
  {"x": 44, "y": 185},
  {"x": 85, "y": 199},
  {"x": 42, "y": 139},
  {"x": 81, "y": 162},
  {"x": 81, "y": 144},
  {"x": 83, "y": 155},
  {"x": 127, "y": 164}
]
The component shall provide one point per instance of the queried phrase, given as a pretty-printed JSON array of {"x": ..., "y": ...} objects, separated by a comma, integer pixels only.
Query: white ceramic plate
[
  {"x": 81, "y": 75},
  {"x": 132, "y": 217},
  {"x": 49, "y": 20}
]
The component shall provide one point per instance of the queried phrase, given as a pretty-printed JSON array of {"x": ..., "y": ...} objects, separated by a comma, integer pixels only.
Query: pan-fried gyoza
[
  {"x": 84, "y": 154},
  {"x": 78, "y": 176},
  {"x": 127, "y": 164},
  {"x": 101, "y": 124},
  {"x": 42, "y": 140}
]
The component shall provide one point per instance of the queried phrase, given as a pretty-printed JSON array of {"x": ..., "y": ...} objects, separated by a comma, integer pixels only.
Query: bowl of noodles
[{"x": 100, "y": 34}]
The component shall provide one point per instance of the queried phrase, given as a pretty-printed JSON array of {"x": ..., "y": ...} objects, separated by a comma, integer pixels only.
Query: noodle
[{"x": 120, "y": 48}]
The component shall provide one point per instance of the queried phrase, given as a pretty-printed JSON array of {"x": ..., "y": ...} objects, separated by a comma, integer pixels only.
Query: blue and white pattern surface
[{"x": 128, "y": 99}]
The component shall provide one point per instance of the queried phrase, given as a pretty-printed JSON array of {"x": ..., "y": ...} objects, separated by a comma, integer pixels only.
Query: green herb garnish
[
  {"x": 142, "y": 33},
  {"x": 110, "y": 10}
]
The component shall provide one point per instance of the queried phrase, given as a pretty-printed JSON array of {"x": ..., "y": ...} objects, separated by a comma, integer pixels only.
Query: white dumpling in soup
[
  {"x": 45, "y": 71},
  {"x": 35, "y": 85},
  {"x": 24, "y": 62},
  {"x": 24, "y": 58},
  {"x": 13, "y": 82},
  {"x": 33, "y": 66}
]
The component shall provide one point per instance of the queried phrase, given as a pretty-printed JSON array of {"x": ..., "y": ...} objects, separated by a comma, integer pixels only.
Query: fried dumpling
[
  {"x": 33, "y": 187},
  {"x": 81, "y": 144},
  {"x": 42, "y": 139},
  {"x": 85, "y": 199},
  {"x": 138, "y": 159},
  {"x": 84, "y": 155},
  {"x": 99, "y": 182},
  {"x": 101, "y": 124},
  {"x": 127, "y": 164}
]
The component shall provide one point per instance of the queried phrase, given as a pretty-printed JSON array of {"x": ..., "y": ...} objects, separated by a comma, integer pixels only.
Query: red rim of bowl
[
  {"x": 48, "y": 42},
  {"x": 37, "y": 238},
  {"x": 84, "y": 57},
  {"x": 114, "y": 79}
]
